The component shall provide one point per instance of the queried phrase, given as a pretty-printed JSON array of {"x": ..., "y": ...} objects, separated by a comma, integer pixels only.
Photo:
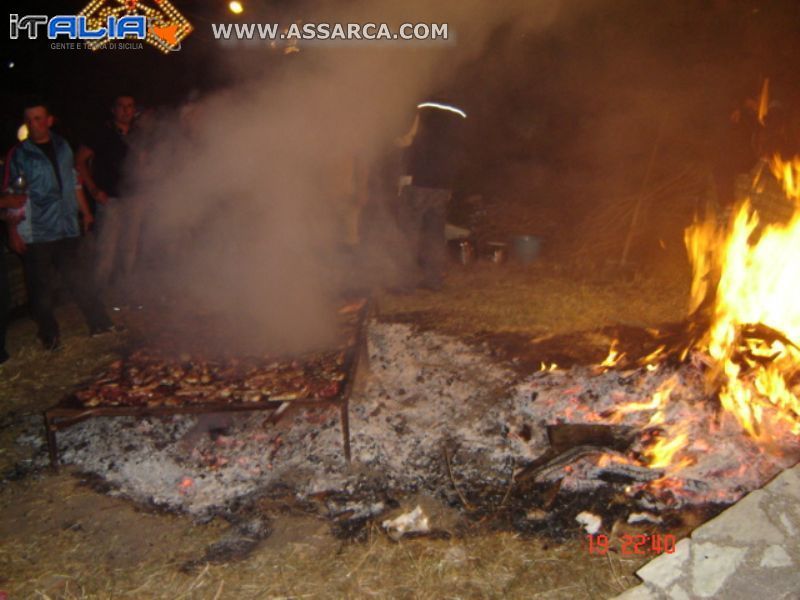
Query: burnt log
[
  {"x": 564, "y": 436},
  {"x": 588, "y": 438}
]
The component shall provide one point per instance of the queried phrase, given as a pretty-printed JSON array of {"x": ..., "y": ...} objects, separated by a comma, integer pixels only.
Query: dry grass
[
  {"x": 540, "y": 300},
  {"x": 34, "y": 378},
  {"x": 79, "y": 545}
]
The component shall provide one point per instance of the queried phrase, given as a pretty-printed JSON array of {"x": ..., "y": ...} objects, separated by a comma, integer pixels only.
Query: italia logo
[
  {"x": 103, "y": 21},
  {"x": 77, "y": 28}
]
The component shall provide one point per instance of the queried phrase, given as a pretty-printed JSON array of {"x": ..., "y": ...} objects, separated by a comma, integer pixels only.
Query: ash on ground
[{"x": 433, "y": 416}]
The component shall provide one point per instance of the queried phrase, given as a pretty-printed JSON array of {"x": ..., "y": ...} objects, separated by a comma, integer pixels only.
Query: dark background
[
  {"x": 526, "y": 87},
  {"x": 560, "y": 119},
  {"x": 80, "y": 84}
]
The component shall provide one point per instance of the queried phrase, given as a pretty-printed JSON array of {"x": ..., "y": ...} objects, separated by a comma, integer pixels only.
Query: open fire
[
  {"x": 739, "y": 352},
  {"x": 755, "y": 319},
  {"x": 758, "y": 285}
]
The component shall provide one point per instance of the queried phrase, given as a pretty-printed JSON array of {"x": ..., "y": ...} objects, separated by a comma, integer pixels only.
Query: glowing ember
[
  {"x": 185, "y": 485},
  {"x": 614, "y": 356}
]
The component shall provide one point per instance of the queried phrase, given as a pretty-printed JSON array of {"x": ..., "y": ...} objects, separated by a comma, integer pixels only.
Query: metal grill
[{"x": 71, "y": 410}]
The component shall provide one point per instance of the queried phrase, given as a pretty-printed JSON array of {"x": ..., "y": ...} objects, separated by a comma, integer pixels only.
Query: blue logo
[{"x": 74, "y": 27}]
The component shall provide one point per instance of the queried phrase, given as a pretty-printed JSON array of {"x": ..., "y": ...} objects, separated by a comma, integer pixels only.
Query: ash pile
[{"x": 436, "y": 416}]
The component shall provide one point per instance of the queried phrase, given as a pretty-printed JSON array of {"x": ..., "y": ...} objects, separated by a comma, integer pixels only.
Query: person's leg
[
  {"x": 109, "y": 224},
  {"x": 81, "y": 286},
  {"x": 37, "y": 262},
  {"x": 381, "y": 246},
  {"x": 133, "y": 216},
  {"x": 434, "y": 248},
  {"x": 409, "y": 219},
  {"x": 5, "y": 304}
]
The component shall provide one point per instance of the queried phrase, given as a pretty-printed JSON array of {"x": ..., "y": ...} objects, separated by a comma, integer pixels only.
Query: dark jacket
[{"x": 435, "y": 154}]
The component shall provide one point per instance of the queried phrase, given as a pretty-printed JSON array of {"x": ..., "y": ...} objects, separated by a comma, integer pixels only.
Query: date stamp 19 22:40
[{"x": 641, "y": 544}]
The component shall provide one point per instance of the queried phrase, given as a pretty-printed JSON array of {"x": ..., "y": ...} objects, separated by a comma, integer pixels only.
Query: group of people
[{"x": 44, "y": 210}]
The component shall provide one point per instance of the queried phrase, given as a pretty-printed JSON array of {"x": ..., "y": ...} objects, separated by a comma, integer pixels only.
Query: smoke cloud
[{"x": 248, "y": 191}]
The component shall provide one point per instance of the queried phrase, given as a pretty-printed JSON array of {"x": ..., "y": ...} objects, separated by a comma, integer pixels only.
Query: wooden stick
[
  {"x": 466, "y": 504},
  {"x": 510, "y": 484}
]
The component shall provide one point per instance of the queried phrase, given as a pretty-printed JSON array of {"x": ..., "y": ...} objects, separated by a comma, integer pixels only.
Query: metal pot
[{"x": 497, "y": 252}]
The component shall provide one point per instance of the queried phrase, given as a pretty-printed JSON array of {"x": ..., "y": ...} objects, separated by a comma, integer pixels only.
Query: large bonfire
[
  {"x": 756, "y": 316},
  {"x": 745, "y": 289},
  {"x": 717, "y": 403}
]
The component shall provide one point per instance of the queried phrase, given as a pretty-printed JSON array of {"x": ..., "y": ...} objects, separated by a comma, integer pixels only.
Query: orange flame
[
  {"x": 763, "y": 102},
  {"x": 661, "y": 455},
  {"x": 788, "y": 173},
  {"x": 657, "y": 403},
  {"x": 758, "y": 284}
]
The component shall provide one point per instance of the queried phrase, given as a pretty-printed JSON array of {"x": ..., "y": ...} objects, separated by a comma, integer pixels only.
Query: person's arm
[
  {"x": 404, "y": 141},
  {"x": 83, "y": 206},
  {"x": 12, "y": 170},
  {"x": 15, "y": 241},
  {"x": 12, "y": 201},
  {"x": 83, "y": 159}
]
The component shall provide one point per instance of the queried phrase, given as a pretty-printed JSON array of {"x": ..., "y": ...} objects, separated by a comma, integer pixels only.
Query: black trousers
[
  {"x": 421, "y": 215},
  {"x": 42, "y": 262},
  {"x": 5, "y": 301}
]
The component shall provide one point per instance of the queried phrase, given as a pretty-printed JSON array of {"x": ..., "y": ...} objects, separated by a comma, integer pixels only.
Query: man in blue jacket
[{"x": 46, "y": 232}]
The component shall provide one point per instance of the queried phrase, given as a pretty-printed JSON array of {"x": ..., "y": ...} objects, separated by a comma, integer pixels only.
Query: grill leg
[
  {"x": 52, "y": 446},
  {"x": 345, "y": 418}
]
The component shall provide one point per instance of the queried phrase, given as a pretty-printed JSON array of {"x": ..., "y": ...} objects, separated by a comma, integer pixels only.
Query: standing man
[
  {"x": 47, "y": 234},
  {"x": 100, "y": 163},
  {"x": 432, "y": 156}
]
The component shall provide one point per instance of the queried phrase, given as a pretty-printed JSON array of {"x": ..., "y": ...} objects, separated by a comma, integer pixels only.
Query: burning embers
[
  {"x": 716, "y": 401},
  {"x": 679, "y": 447}
]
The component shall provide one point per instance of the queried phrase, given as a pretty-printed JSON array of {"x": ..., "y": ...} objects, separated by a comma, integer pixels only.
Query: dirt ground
[{"x": 61, "y": 538}]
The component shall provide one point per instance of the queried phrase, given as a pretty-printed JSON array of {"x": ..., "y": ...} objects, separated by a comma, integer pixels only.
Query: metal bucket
[{"x": 527, "y": 248}]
